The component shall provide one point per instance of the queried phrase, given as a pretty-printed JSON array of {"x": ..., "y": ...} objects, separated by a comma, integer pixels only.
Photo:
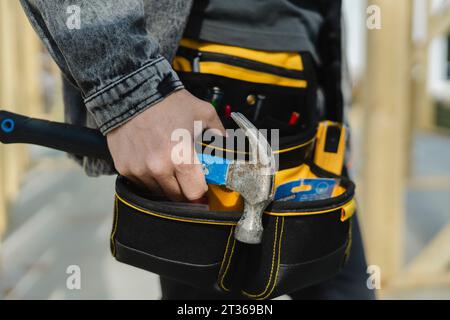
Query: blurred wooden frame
[
  {"x": 392, "y": 96},
  {"x": 20, "y": 91}
]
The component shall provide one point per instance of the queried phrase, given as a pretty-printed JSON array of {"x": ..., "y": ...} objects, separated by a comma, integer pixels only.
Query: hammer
[{"x": 253, "y": 180}]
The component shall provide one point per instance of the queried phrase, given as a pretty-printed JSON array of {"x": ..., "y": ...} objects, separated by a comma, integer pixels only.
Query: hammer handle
[
  {"x": 82, "y": 141},
  {"x": 15, "y": 128}
]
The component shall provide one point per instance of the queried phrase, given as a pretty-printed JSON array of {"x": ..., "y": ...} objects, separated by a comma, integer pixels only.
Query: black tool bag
[{"x": 303, "y": 242}]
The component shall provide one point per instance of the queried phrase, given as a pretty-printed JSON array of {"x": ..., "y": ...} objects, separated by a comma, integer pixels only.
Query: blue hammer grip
[{"x": 215, "y": 169}]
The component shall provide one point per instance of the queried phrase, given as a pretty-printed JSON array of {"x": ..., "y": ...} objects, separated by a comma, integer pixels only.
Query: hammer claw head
[
  {"x": 254, "y": 181},
  {"x": 260, "y": 148}
]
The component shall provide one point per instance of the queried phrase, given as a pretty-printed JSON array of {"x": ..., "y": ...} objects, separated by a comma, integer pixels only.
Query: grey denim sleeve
[{"x": 110, "y": 55}]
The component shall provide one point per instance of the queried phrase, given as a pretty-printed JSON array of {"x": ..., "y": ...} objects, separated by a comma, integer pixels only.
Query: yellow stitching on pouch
[
  {"x": 244, "y": 152},
  {"x": 228, "y": 265},
  {"x": 224, "y": 258},
  {"x": 309, "y": 213},
  {"x": 113, "y": 232},
  {"x": 279, "y": 255},
  {"x": 295, "y": 147},
  {"x": 172, "y": 218},
  {"x": 350, "y": 239},
  {"x": 277, "y": 214},
  {"x": 271, "y": 269}
]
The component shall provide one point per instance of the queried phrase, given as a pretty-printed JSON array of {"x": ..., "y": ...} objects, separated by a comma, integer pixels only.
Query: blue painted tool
[
  {"x": 215, "y": 169},
  {"x": 313, "y": 189}
]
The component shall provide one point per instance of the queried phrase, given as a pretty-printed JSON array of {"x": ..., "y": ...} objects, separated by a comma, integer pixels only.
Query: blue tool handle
[{"x": 214, "y": 168}]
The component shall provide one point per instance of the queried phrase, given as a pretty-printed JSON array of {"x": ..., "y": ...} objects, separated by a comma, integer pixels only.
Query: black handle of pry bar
[{"x": 15, "y": 128}]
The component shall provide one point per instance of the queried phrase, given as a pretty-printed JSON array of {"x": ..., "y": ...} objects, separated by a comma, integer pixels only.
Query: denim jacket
[
  {"x": 114, "y": 55},
  {"x": 110, "y": 50}
]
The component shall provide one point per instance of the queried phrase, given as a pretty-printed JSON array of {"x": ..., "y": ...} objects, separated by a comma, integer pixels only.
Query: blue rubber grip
[{"x": 215, "y": 169}]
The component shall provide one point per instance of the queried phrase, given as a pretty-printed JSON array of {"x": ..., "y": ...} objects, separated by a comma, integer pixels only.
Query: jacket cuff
[{"x": 132, "y": 94}]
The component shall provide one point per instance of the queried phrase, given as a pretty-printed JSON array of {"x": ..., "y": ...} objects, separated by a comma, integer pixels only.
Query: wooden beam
[
  {"x": 403, "y": 283},
  {"x": 19, "y": 92},
  {"x": 10, "y": 90},
  {"x": 3, "y": 198},
  {"x": 434, "y": 258},
  {"x": 386, "y": 135},
  {"x": 29, "y": 69},
  {"x": 5, "y": 95},
  {"x": 423, "y": 116},
  {"x": 429, "y": 182},
  {"x": 31, "y": 53},
  {"x": 439, "y": 23}
]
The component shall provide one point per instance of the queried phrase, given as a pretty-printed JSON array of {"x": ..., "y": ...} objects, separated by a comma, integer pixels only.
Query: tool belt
[{"x": 303, "y": 243}]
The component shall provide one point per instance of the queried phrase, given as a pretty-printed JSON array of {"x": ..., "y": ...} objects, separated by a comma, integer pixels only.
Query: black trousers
[{"x": 350, "y": 283}]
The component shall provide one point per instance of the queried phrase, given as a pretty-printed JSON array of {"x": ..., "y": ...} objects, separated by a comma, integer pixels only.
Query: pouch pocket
[
  {"x": 184, "y": 244},
  {"x": 303, "y": 244},
  {"x": 281, "y": 68},
  {"x": 258, "y": 84}
]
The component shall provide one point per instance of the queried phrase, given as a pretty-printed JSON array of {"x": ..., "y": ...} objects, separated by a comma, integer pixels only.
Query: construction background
[{"x": 52, "y": 216}]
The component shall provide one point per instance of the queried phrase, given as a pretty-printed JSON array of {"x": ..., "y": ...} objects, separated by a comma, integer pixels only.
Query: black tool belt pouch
[{"x": 304, "y": 242}]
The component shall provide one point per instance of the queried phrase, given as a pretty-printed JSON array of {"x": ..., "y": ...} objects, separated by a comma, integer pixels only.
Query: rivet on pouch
[{"x": 251, "y": 99}]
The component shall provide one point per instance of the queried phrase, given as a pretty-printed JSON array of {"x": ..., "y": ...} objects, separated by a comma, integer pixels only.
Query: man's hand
[{"x": 142, "y": 147}]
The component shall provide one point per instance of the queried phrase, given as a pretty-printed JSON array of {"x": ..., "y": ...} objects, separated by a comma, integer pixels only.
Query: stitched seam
[
  {"x": 328, "y": 255},
  {"x": 109, "y": 86},
  {"x": 203, "y": 144},
  {"x": 141, "y": 252},
  {"x": 295, "y": 147},
  {"x": 113, "y": 232},
  {"x": 308, "y": 213},
  {"x": 228, "y": 265},
  {"x": 116, "y": 119},
  {"x": 224, "y": 259},
  {"x": 279, "y": 258},
  {"x": 350, "y": 240},
  {"x": 173, "y": 218},
  {"x": 262, "y": 33},
  {"x": 271, "y": 269},
  {"x": 139, "y": 106},
  {"x": 130, "y": 91}
]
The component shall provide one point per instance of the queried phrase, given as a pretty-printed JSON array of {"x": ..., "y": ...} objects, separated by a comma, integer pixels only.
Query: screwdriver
[{"x": 216, "y": 97}]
